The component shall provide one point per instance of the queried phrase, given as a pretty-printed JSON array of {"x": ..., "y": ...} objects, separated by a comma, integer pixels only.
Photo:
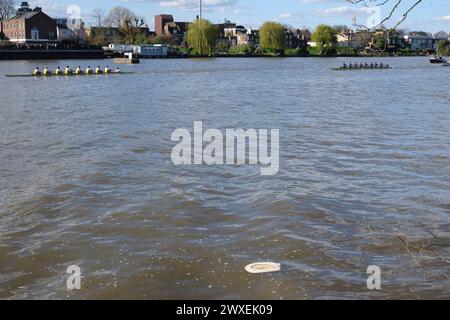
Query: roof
[{"x": 25, "y": 15}]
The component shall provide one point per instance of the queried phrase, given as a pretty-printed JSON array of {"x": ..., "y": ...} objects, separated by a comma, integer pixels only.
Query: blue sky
[{"x": 430, "y": 15}]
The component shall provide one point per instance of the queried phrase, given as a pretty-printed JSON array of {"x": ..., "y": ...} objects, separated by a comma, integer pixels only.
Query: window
[{"x": 35, "y": 34}]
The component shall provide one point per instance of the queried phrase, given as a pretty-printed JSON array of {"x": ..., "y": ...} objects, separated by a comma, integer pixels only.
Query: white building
[
  {"x": 152, "y": 50},
  {"x": 425, "y": 42},
  {"x": 70, "y": 29},
  {"x": 121, "y": 48}
]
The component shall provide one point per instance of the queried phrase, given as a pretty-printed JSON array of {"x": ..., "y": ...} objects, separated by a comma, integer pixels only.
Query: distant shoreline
[
  {"x": 51, "y": 54},
  {"x": 100, "y": 55}
]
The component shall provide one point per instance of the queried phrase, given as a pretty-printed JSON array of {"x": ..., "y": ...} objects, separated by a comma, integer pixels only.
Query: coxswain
[
  {"x": 68, "y": 71},
  {"x": 98, "y": 70},
  {"x": 47, "y": 72},
  {"x": 58, "y": 71},
  {"x": 78, "y": 70},
  {"x": 117, "y": 70},
  {"x": 107, "y": 70},
  {"x": 37, "y": 72}
]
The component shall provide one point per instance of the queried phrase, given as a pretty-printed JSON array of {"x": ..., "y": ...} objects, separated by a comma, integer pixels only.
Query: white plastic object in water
[{"x": 263, "y": 267}]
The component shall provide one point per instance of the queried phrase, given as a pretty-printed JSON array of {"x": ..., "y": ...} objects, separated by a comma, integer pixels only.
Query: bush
[
  {"x": 296, "y": 52},
  {"x": 222, "y": 47},
  {"x": 346, "y": 50},
  {"x": 242, "y": 49}
]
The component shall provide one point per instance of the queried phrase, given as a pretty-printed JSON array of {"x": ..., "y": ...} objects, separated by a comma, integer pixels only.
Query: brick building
[
  {"x": 29, "y": 26},
  {"x": 161, "y": 21}
]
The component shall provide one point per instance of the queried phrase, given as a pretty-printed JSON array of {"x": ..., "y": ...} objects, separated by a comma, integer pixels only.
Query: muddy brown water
[{"x": 87, "y": 179}]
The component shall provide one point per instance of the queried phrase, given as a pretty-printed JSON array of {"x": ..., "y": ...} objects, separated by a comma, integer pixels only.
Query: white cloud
[
  {"x": 345, "y": 11},
  {"x": 291, "y": 16},
  {"x": 208, "y": 5}
]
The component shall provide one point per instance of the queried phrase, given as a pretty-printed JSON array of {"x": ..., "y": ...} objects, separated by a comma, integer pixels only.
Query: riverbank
[
  {"x": 100, "y": 54},
  {"x": 51, "y": 54}
]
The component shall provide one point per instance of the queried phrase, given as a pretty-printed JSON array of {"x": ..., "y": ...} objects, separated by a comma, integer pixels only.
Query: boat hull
[
  {"x": 359, "y": 69},
  {"x": 65, "y": 75},
  {"x": 437, "y": 61}
]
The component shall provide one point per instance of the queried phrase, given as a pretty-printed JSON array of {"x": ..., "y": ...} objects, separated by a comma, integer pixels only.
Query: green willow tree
[
  {"x": 272, "y": 36},
  {"x": 202, "y": 37},
  {"x": 325, "y": 37},
  {"x": 444, "y": 48}
]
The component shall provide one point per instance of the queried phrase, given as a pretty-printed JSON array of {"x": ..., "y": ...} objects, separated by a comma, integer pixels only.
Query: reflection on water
[{"x": 87, "y": 180}]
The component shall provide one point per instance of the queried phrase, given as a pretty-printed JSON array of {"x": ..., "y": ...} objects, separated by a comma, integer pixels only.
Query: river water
[{"x": 87, "y": 179}]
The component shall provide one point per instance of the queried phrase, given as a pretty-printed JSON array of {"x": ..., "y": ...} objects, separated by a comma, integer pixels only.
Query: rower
[
  {"x": 68, "y": 71},
  {"x": 107, "y": 70},
  {"x": 37, "y": 72},
  {"x": 98, "y": 70},
  {"x": 117, "y": 70},
  {"x": 78, "y": 70},
  {"x": 344, "y": 66},
  {"x": 47, "y": 72},
  {"x": 58, "y": 71},
  {"x": 88, "y": 70}
]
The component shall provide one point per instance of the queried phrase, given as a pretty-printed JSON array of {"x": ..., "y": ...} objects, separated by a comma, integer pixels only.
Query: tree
[
  {"x": 117, "y": 16},
  {"x": 99, "y": 17},
  {"x": 162, "y": 39},
  {"x": 202, "y": 37},
  {"x": 444, "y": 48},
  {"x": 98, "y": 39},
  {"x": 6, "y": 9},
  {"x": 131, "y": 32},
  {"x": 400, "y": 8},
  {"x": 325, "y": 37},
  {"x": 272, "y": 36},
  {"x": 394, "y": 8}
]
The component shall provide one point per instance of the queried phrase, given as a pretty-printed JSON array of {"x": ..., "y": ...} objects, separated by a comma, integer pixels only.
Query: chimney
[{"x": 24, "y": 7}]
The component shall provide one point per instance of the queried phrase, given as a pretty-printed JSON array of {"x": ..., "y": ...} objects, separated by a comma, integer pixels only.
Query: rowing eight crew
[
  {"x": 78, "y": 70},
  {"x": 365, "y": 66}
]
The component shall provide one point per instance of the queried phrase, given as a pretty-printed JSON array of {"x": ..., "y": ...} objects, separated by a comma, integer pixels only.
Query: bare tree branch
[
  {"x": 6, "y": 9},
  {"x": 395, "y": 6},
  {"x": 410, "y": 6},
  {"x": 99, "y": 15}
]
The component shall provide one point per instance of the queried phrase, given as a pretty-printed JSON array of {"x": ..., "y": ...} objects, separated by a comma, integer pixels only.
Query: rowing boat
[
  {"x": 65, "y": 75},
  {"x": 356, "y": 69}
]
